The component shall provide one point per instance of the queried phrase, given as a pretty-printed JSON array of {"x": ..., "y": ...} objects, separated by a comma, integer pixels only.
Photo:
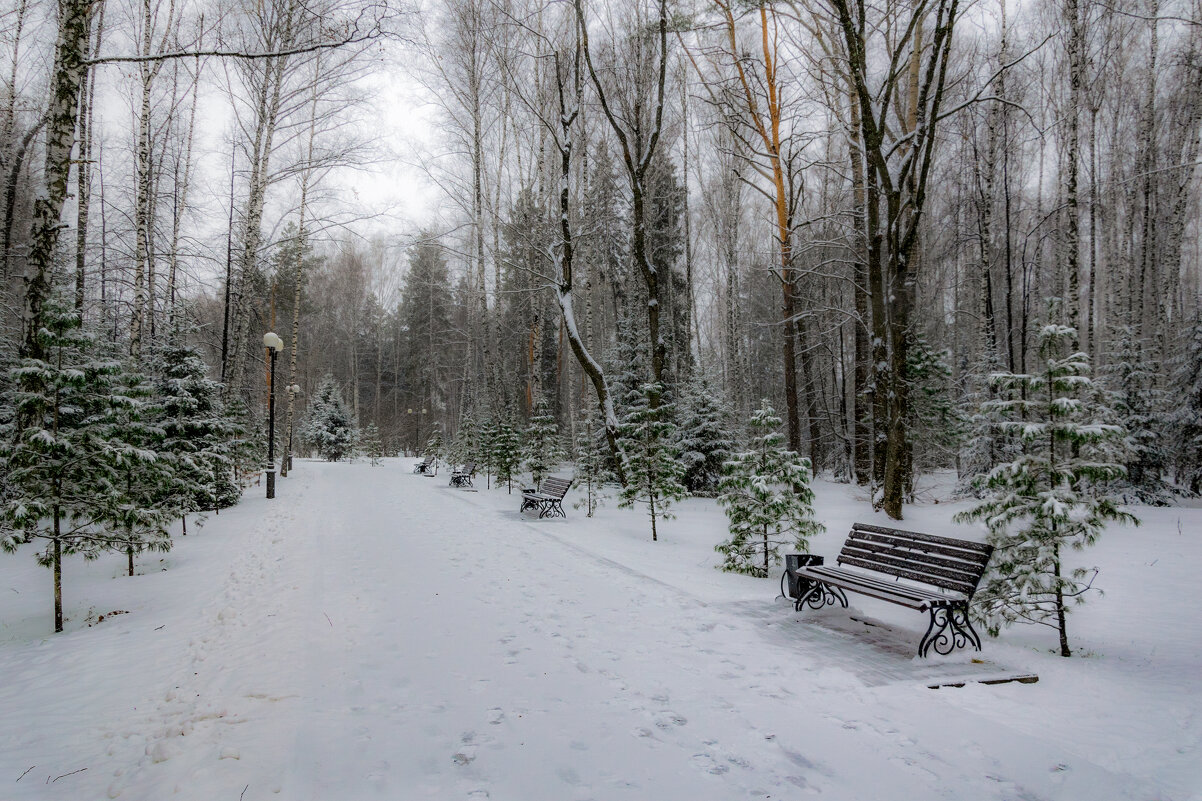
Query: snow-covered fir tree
[
  {"x": 591, "y": 455},
  {"x": 1187, "y": 422},
  {"x": 149, "y": 492},
  {"x": 248, "y": 450},
  {"x": 486, "y": 456},
  {"x": 1132, "y": 394},
  {"x": 506, "y": 452},
  {"x": 653, "y": 471},
  {"x": 541, "y": 447},
  {"x": 436, "y": 446},
  {"x": 704, "y": 442},
  {"x": 329, "y": 429},
  {"x": 1052, "y": 497},
  {"x": 370, "y": 443},
  {"x": 197, "y": 433},
  {"x": 60, "y": 448},
  {"x": 466, "y": 444},
  {"x": 984, "y": 444},
  {"x": 935, "y": 421},
  {"x": 766, "y": 494}
]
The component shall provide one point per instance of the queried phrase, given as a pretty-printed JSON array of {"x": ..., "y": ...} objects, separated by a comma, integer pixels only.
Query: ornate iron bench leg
[
  {"x": 527, "y": 503},
  {"x": 818, "y": 595},
  {"x": 948, "y": 630}
]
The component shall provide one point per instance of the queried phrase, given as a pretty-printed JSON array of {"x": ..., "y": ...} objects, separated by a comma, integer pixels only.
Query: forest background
[{"x": 493, "y": 210}]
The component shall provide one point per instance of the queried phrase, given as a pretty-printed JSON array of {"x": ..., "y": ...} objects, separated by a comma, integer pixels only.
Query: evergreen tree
[
  {"x": 935, "y": 423},
  {"x": 705, "y": 443},
  {"x": 984, "y": 444},
  {"x": 767, "y": 498},
  {"x": 147, "y": 494},
  {"x": 541, "y": 449},
  {"x": 653, "y": 471},
  {"x": 248, "y": 450},
  {"x": 436, "y": 446},
  {"x": 1187, "y": 422},
  {"x": 329, "y": 429},
  {"x": 1133, "y": 396},
  {"x": 61, "y": 448},
  {"x": 1051, "y": 497},
  {"x": 591, "y": 454},
  {"x": 371, "y": 444},
  {"x": 197, "y": 433},
  {"x": 466, "y": 444},
  {"x": 506, "y": 453}
]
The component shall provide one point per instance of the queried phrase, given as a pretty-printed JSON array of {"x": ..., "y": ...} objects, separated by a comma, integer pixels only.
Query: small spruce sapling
[
  {"x": 541, "y": 449},
  {"x": 506, "y": 453},
  {"x": 592, "y": 456},
  {"x": 653, "y": 471},
  {"x": 1052, "y": 496},
  {"x": 371, "y": 444},
  {"x": 767, "y": 498}
]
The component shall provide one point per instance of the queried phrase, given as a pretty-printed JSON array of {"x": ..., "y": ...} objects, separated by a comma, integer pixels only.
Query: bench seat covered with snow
[
  {"x": 931, "y": 574},
  {"x": 547, "y": 498}
]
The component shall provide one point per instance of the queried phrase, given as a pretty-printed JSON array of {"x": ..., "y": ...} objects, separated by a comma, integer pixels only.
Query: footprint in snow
[
  {"x": 667, "y": 719},
  {"x": 707, "y": 763},
  {"x": 495, "y": 716}
]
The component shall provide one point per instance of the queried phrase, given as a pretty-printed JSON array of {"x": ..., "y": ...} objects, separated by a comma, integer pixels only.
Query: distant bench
[
  {"x": 547, "y": 497},
  {"x": 940, "y": 576},
  {"x": 462, "y": 477},
  {"x": 423, "y": 467}
]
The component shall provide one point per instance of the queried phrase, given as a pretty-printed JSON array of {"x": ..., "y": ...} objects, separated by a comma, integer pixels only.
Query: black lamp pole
[
  {"x": 274, "y": 345},
  {"x": 271, "y": 428}
]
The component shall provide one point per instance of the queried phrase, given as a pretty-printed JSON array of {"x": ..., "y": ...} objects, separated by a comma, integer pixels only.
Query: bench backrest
[
  {"x": 938, "y": 561},
  {"x": 554, "y": 486},
  {"x": 469, "y": 468},
  {"x": 427, "y": 460}
]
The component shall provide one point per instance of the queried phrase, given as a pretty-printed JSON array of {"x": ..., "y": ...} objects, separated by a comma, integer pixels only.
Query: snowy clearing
[{"x": 376, "y": 634}]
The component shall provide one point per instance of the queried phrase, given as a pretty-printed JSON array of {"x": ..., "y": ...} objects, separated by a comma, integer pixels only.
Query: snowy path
[{"x": 384, "y": 637}]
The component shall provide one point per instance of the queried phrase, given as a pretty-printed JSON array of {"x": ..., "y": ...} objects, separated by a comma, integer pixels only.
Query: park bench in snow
[
  {"x": 931, "y": 574},
  {"x": 547, "y": 498},
  {"x": 424, "y": 466},
  {"x": 463, "y": 476}
]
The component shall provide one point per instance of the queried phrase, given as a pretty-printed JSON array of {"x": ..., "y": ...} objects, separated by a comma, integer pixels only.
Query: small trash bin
[{"x": 793, "y": 561}]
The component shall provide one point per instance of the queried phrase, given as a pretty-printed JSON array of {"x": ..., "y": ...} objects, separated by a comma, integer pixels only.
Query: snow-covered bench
[
  {"x": 423, "y": 467},
  {"x": 931, "y": 574},
  {"x": 547, "y": 498},
  {"x": 463, "y": 476}
]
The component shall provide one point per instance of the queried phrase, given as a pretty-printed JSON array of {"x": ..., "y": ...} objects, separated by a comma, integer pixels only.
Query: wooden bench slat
[
  {"x": 869, "y": 546},
  {"x": 972, "y": 556},
  {"x": 979, "y": 547},
  {"x": 888, "y": 561},
  {"x": 914, "y": 575}
]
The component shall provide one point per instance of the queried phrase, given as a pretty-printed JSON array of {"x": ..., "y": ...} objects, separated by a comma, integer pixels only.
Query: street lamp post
[{"x": 274, "y": 345}]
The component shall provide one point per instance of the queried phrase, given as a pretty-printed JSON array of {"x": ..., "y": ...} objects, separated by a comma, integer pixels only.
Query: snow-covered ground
[{"x": 375, "y": 634}]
